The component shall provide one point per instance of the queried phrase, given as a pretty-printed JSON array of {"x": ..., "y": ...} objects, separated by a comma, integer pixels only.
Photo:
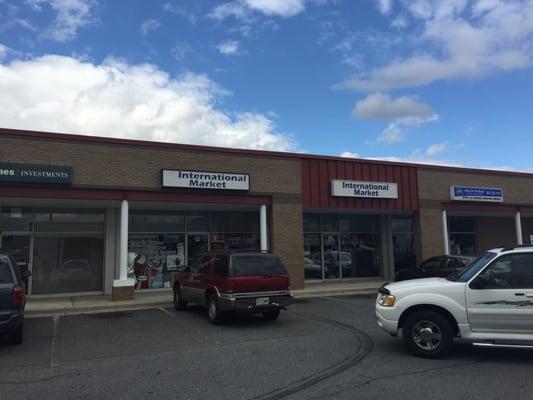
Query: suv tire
[
  {"x": 271, "y": 315},
  {"x": 17, "y": 336},
  {"x": 428, "y": 334},
  {"x": 179, "y": 303},
  {"x": 216, "y": 316}
]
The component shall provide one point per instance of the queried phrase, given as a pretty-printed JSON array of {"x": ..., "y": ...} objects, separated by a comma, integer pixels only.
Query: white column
[
  {"x": 123, "y": 247},
  {"x": 263, "y": 228},
  {"x": 445, "y": 232},
  {"x": 518, "y": 226}
]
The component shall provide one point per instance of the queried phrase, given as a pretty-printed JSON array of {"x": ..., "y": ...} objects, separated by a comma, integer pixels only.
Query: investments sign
[
  {"x": 372, "y": 190},
  {"x": 205, "y": 180},
  {"x": 33, "y": 173},
  {"x": 466, "y": 193}
]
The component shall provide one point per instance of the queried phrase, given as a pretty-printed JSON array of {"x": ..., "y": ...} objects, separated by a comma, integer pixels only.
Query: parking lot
[{"x": 326, "y": 348}]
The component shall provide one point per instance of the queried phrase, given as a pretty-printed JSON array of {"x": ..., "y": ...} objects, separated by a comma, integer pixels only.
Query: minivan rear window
[
  {"x": 257, "y": 265},
  {"x": 6, "y": 276}
]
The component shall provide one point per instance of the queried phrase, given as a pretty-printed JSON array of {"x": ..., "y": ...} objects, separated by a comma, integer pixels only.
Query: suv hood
[{"x": 417, "y": 284}]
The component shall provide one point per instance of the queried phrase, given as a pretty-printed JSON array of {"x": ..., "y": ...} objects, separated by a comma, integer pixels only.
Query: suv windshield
[
  {"x": 471, "y": 269},
  {"x": 6, "y": 276},
  {"x": 257, "y": 265}
]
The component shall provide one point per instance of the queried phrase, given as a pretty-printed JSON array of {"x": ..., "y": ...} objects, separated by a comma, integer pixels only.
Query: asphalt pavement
[{"x": 324, "y": 348}]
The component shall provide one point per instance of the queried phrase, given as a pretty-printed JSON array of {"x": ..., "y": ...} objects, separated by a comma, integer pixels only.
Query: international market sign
[
  {"x": 466, "y": 193},
  {"x": 372, "y": 190},
  {"x": 205, "y": 180},
  {"x": 34, "y": 173}
]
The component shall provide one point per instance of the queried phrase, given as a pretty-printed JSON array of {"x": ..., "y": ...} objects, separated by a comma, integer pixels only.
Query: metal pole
[
  {"x": 445, "y": 232},
  {"x": 263, "y": 227},
  {"x": 124, "y": 217}
]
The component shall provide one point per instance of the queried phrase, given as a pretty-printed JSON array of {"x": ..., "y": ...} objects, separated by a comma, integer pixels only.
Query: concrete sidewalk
[{"x": 99, "y": 304}]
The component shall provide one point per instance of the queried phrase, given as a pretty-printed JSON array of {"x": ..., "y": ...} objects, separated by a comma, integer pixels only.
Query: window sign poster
[
  {"x": 531, "y": 239},
  {"x": 153, "y": 258}
]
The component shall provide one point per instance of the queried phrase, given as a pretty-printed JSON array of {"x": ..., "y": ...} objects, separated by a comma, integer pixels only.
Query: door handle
[{"x": 519, "y": 294}]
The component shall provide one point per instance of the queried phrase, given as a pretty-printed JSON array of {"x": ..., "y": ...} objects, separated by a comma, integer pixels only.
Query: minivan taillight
[{"x": 17, "y": 295}]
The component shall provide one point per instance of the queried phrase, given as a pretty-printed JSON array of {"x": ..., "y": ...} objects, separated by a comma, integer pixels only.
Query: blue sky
[{"x": 433, "y": 81}]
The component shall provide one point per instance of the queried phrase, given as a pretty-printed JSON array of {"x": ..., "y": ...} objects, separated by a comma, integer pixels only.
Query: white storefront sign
[
  {"x": 205, "y": 180},
  {"x": 372, "y": 190},
  {"x": 466, "y": 193}
]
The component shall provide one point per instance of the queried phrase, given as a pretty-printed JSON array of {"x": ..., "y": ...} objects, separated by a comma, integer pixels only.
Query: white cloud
[
  {"x": 382, "y": 106},
  {"x": 436, "y": 149},
  {"x": 462, "y": 39},
  {"x": 149, "y": 25},
  {"x": 63, "y": 94},
  {"x": 384, "y": 6},
  {"x": 229, "y": 47},
  {"x": 349, "y": 154},
  {"x": 70, "y": 16},
  {"x": 243, "y": 9},
  {"x": 3, "y": 51}
]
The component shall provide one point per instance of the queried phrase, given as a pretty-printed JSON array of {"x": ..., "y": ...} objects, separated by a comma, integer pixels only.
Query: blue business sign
[{"x": 476, "y": 194}]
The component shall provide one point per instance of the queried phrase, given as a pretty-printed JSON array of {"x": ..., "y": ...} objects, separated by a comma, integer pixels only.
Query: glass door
[
  {"x": 19, "y": 246},
  {"x": 330, "y": 253},
  {"x": 197, "y": 243}
]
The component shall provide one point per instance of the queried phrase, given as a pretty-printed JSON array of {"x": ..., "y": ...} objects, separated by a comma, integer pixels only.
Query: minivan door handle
[{"x": 519, "y": 294}]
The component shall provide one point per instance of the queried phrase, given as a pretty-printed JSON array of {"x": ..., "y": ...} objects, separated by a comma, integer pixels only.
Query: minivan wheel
[
  {"x": 179, "y": 303},
  {"x": 271, "y": 315},
  {"x": 428, "y": 334},
  {"x": 17, "y": 336},
  {"x": 216, "y": 316}
]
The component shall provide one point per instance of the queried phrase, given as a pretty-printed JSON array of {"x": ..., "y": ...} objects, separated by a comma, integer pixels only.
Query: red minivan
[{"x": 224, "y": 281}]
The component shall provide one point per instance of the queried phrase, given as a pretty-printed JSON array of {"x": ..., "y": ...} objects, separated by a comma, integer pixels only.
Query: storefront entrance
[
  {"x": 197, "y": 243},
  {"x": 63, "y": 248}
]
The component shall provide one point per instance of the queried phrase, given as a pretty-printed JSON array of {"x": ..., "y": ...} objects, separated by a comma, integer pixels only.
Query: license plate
[{"x": 261, "y": 301}]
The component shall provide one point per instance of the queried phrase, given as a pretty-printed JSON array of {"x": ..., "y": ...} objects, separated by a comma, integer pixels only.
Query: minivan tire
[
  {"x": 271, "y": 315},
  {"x": 17, "y": 336},
  {"x": 216, "y": 316},
  {"x": 435, "y": 342},
  {"x": 179, "y": 303}
]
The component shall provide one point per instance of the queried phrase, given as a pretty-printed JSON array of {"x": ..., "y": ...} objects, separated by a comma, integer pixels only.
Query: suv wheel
[
  {"x": 271, "y": 315},
  {"x": 179, "y": 303},
  {"x": 216, "y": 316},
  {"x": 17, "y": 336},
  {"x": 428, "y": 334}
]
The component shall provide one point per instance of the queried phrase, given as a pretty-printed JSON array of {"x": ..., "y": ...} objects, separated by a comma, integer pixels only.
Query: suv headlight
[{"x": 387, "y": 300}]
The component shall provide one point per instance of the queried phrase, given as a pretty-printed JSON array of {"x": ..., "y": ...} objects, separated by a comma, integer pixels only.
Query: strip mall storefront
[{"x": 97, "y": 215}]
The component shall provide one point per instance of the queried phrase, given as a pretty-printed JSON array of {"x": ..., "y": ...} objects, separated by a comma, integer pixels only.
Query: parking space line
[
  {"x": 53, "y": 363},
  {"x": 166, "y": 312}
]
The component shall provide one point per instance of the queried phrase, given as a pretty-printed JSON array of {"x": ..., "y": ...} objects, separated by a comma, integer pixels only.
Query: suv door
[
  {"x": 7, "y": 281},
  {"x": 500, "y": 298}
]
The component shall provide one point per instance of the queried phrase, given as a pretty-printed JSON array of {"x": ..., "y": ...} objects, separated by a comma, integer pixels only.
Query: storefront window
[
  {"x": 66, "y": 264},
  {"x": 312, "y": 256},
  {"x": 346, "y": 247},
  {"x": 462, "y": 237},
  {"x": 234, "y": 221},
  {"x": 403, "y": 243},
  {"x": 153, "y": 259},
  {"x": 197, "y": 221},
  {"x": 156, "y": 221},
  {"x": 16, "y": 219},
  {"x": 234, "y": 241},
  {"x": 68, "y": 220}
]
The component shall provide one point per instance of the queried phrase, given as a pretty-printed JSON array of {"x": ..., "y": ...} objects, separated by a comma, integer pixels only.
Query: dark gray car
[{"x": 12, "y": 299}]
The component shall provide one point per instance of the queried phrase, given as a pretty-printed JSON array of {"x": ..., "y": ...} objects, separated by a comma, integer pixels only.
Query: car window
[
  {"x": 473, "y": 268},
  {"x": 6, "y": 276},
  {"x": 257, "y": 265},
  {"x": 203, "y": 266},
  {"x": 510, "y": 271},
  {"x": 221, "y": 265}
]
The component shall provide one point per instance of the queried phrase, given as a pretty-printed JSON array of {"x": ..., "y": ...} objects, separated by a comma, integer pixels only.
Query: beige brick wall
[
  {"x": 435, "y": 185},
  {"x": 288, "y": 239},
  {"x": 429, "y": 233}
]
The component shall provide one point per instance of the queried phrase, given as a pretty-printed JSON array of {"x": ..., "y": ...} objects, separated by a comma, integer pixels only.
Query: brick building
[{"x": 92, "y": 215}]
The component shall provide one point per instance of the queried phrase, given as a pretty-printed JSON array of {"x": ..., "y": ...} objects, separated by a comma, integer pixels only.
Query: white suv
[{"x": 489, "y": 303}]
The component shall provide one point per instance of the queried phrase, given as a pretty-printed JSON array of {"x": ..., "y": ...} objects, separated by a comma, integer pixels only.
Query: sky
[{"x": 431, "y": 81}]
